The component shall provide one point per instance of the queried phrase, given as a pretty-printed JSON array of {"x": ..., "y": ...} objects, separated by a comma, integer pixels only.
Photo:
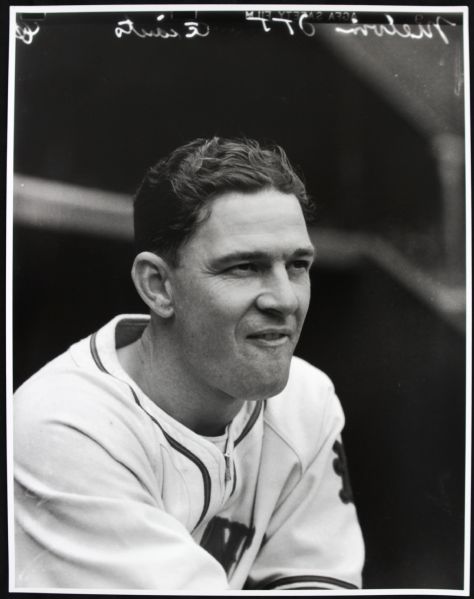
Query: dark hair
[{"x": 172, "y": 197}]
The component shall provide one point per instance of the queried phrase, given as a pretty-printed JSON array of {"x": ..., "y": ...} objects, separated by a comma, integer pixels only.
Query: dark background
[{"x": 93, "y": 110}]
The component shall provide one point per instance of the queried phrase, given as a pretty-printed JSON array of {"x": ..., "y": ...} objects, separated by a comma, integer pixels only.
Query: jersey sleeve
[
  {"x": 87, "y": 515},
  {"x": 313, "y": 540}
]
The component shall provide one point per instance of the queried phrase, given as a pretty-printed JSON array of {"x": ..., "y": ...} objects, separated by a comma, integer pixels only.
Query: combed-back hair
[{"x": 175, "y": 194}]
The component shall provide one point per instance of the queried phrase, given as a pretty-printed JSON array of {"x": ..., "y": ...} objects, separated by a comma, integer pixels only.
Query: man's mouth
[{"x": 271, "y": 338}]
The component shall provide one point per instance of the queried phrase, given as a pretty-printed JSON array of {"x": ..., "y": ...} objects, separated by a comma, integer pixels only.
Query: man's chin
[{"x": 264, "y": 389}]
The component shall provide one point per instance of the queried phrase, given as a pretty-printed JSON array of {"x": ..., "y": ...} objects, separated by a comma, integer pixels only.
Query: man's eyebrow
[
  {"x": 247, "y": 256},
  {"x": 306, "y": 252}
]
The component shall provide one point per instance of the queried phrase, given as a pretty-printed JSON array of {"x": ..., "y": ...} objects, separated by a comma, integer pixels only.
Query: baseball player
[{"x": 188, "y": 449}]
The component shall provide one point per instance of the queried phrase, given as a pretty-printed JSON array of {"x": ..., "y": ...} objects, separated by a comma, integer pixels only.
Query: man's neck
[{"x": 152, "y": 364}]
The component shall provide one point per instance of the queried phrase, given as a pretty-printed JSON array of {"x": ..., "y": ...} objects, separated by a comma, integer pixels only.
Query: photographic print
[{"x": 238, "y": 299}]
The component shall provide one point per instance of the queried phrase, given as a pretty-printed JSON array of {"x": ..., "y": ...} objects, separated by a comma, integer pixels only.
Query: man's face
[{"x": 241, "y": 292}]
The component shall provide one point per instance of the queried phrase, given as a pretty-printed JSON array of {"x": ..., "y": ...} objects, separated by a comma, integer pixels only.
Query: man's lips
[{"x": 272, "y": 337}]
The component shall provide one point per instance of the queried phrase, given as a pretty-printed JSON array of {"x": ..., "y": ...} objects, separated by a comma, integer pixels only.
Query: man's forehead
[
  {"x": 265, "y": 222},
  {"x": 243, "y": 211}
]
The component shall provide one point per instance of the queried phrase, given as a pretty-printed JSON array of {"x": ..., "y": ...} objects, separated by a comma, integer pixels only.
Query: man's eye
[
  {"x": 300, "y": 265},
  {"x": 244, "y": 267}
]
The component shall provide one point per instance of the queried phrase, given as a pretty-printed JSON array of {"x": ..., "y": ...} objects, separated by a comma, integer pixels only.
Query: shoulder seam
[
  {"x": 287, "y": 441},
  {"x": 284, "y": 439}
]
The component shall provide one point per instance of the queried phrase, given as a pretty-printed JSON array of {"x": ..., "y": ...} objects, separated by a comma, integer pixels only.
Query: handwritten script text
[
  {"x": 414, "y": 32},
  {"x": 303, "y": 23},
  {"x": 25, "y": 33},
  {"x": 192, "y": 29}
]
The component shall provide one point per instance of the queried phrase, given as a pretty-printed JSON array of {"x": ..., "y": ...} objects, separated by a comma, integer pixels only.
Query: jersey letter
[
  {"x": 340, "y": 467},
  {"x": 226, "y": 541}
]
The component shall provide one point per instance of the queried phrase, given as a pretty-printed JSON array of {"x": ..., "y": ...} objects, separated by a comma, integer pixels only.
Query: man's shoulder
[
  {"x": 71, "y": 389},
  {"x": 65, "y": 409},
  {"x": 61, "y": 370},
  {"x": 66, "y": 369},
  {"x": 306, "y": 411},
  {"x": 79, "y": 370}
]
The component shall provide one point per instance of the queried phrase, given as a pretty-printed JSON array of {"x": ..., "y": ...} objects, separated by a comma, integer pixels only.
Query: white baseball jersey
[{"x": 112, "y": 492}]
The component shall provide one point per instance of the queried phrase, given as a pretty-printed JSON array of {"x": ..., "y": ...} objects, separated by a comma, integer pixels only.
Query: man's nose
[{"x": 278, "y": 293}]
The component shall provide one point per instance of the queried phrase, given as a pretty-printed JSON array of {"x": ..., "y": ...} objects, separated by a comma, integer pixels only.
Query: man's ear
[{"x": 150, "y": 273}]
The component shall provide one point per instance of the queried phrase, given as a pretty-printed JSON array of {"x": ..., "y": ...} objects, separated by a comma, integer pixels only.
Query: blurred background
[{"x": 376, "y": 125}]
